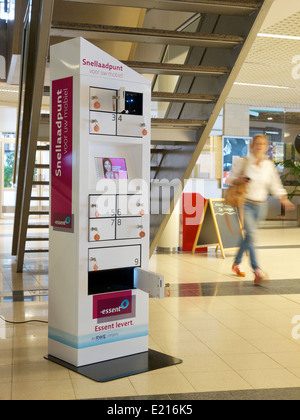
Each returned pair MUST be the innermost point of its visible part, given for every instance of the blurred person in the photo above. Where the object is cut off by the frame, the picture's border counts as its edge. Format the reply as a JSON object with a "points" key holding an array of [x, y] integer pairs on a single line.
{"points": [[262, 178]]}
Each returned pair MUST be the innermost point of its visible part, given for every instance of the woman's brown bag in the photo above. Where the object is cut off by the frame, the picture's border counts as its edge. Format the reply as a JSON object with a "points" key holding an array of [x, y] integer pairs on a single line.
{"points": [[235, 194]]}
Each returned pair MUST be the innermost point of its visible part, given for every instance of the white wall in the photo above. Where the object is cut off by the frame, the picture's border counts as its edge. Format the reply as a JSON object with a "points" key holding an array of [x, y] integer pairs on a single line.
{"points": [[8, 119]]}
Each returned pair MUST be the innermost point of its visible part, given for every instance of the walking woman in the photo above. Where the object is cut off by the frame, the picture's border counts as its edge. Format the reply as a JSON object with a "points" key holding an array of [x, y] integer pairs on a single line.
{"points": [[262, 179]]}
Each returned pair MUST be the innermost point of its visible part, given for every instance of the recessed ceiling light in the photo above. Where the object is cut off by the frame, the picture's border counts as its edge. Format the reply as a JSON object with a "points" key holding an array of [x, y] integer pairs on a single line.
{"points": [[295, 38], [265, 86], [9, 90]]}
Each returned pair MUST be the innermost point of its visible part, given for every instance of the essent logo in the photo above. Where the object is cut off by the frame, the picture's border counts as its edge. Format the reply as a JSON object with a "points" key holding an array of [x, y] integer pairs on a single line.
{"points": [[123, 306], [65, 222], [119, 305]]}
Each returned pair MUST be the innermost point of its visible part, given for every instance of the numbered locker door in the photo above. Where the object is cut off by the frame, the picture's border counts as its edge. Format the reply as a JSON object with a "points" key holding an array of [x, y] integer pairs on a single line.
{"points": [[129, 228], [103, 123], [102, 206], [130, 205], [114, 257], [102, 229], [131, 126], [103, 100]]}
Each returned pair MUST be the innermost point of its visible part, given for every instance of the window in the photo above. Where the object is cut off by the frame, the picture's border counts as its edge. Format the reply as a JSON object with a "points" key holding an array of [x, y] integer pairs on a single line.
{"points": [[9, 155], [7, 9]]}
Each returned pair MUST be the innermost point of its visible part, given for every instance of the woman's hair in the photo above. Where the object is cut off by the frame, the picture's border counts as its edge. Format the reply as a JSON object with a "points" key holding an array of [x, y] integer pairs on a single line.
{"points": [[258, 136]]}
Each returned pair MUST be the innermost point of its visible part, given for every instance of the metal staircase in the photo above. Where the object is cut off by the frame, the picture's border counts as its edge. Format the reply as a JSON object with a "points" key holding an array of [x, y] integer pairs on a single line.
{"points": [[215, 52], [33, 63]]}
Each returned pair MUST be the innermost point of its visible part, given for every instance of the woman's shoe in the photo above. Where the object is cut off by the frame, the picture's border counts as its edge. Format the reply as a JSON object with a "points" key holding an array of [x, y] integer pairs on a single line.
{"points": [[237, 268], [259, 276]]}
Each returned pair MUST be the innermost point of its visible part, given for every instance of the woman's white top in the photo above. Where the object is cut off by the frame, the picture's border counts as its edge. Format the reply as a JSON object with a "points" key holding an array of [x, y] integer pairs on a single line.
{"points": [[264, 178]]}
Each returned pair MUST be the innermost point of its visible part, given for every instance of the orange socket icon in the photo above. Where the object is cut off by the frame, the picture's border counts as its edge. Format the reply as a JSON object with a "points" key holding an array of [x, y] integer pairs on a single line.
{"points": [[142, 234], [142, 212], [145, 132], [97, 214], [96, 268], [96, 128], [97, 105]]}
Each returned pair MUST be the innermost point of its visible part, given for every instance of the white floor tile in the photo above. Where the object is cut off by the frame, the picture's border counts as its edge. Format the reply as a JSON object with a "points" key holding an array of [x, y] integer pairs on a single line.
{"points": [[226, 342]]}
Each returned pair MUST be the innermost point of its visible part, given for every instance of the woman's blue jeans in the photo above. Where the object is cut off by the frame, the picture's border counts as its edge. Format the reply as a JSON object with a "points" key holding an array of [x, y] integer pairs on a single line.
{"points": [[253, 214]]}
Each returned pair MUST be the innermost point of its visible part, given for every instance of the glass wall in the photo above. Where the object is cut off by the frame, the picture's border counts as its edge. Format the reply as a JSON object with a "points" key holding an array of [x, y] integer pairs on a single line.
{"points": [[282, 127]]}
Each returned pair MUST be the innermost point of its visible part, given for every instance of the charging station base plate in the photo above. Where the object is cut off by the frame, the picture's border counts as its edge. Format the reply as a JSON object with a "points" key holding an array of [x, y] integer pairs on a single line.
{"points": [[122, 367]]}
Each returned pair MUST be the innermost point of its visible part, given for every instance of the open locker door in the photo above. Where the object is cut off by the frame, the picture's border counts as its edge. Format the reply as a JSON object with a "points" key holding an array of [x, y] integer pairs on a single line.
{"points": [[149, 282]]}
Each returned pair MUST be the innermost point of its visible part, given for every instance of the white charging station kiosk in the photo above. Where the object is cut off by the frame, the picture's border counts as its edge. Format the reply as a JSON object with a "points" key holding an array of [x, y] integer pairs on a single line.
{"points": [[99, 283]]}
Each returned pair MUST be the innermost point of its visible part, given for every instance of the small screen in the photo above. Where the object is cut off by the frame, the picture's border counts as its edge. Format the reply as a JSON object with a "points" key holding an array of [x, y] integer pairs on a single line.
{"points": [[111, 168], [133, 103]]}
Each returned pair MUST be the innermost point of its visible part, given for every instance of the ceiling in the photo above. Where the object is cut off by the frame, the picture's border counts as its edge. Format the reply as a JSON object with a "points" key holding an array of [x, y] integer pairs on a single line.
{"points": [[269, 62]]}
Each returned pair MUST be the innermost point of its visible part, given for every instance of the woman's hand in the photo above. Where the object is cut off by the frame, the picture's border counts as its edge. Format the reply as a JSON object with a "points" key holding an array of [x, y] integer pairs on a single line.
{"points": [[242, 180], [287, 204]]}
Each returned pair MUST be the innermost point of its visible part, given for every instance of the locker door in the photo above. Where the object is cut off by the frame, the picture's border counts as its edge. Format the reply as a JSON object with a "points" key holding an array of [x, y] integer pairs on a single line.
{"points": [[103, 100], [102, 229], [114, 257], [130, 205], [103, 123], [131, 125], [102, 206], [129, 227], [149, 282]]}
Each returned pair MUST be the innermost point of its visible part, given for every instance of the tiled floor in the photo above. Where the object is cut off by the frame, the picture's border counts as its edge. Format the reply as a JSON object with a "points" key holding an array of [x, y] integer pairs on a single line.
{"points": [[235, 339]]}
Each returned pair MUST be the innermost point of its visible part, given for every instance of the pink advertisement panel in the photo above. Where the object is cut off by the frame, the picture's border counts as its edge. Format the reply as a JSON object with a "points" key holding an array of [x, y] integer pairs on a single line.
{"points": [[111, 168], [118, 305], [61, 155]]}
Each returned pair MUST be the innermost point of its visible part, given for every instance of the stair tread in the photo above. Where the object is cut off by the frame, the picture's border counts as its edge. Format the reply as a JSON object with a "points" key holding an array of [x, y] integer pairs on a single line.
{"points": [[238, 7], [33, 250], [41, 166], [40, 183], [145, 35], [167, 122], [166, 68], [144, 31], [183, 97], [38, 226], [44, 147], [36, 239]]}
